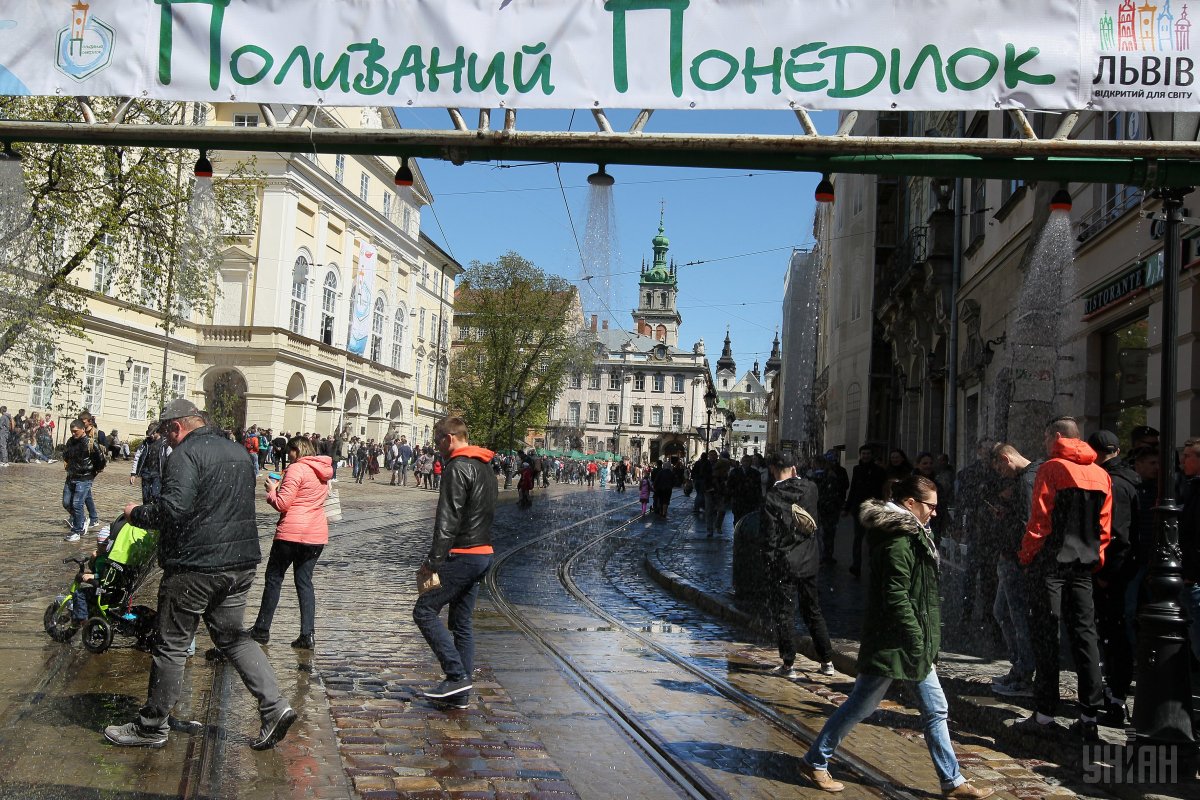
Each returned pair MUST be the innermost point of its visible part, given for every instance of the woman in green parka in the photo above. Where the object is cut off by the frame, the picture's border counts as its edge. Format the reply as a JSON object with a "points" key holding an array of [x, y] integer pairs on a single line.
{"points": [[901, 635]]}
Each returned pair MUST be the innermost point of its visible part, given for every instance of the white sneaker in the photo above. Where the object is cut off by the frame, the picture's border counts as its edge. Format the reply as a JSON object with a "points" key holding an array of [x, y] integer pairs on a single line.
{"points": [[52, 461], [74, 537], [785, 671], [827, 668], [94, 523]]}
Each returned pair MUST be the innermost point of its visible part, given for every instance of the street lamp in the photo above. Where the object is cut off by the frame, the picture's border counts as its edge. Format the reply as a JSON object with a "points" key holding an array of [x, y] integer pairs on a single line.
{"points": [[1162, 713], [514, 400], [710, 402], [730, 418]]}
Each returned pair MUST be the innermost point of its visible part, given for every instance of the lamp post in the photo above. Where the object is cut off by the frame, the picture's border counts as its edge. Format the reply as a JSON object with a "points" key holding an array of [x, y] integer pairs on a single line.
{"points": [[1162, 712], [513, 400], [730, 418], [710, 402]]}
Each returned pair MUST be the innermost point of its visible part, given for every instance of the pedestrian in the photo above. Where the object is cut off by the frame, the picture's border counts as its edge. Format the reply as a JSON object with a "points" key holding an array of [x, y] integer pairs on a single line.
{"points": [[83, 460], [717, 492], [373, 452], [1189, 537], [300, 535], [976, 486], [701, 471], [524, 484], [147, 464], [591, 474], [406, 456], [6, 431], [644, 489], [436, 470], [792, 551], [1064, 543], [621, 474], [1012, 506], [901, 635], [866, 483], [279, 451], [459, 555], [831, 497], [663, 480], [208, 550], [250, 440]]}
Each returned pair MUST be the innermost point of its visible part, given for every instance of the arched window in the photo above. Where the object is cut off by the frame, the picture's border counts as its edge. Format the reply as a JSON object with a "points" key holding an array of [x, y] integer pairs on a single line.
{"points": [[649, 299], [299, 295], [663, 298], [398, 323], [377, 330], [660, 333], [328, 306]]}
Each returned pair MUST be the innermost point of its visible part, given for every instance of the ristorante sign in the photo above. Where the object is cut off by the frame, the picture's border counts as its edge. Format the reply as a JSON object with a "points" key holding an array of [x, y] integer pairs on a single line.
{"points": [[843, 54]]}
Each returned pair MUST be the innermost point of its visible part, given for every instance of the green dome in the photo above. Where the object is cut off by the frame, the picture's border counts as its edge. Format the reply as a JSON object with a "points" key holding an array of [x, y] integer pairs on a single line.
{"points": [[661, 240]]}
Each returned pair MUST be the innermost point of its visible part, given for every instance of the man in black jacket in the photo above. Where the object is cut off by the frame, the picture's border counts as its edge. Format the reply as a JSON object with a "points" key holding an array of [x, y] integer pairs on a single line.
{"points": [[1189, 535], [459, 556], [866, 483], [83, 460], [208, 549]]}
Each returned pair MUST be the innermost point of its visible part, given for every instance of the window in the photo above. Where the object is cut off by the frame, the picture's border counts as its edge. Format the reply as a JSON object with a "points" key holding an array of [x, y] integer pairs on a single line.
{"points": [[139, 392], [433, 327], [724, 383], [328, 306], [387, 204], [377, 330], [178, 385], [639, 382], [659, 382], [677, 384], [93, 384], [1125, 351], [421, 324], [200, 114], [543, 365], [480, 361], [429, 377], [656, 416], [593, 416], [445, 331], [591, 444], [649, 299], [573, 414], [398, 337], [299, 295], [638, 413], [339, 169], [364, 187], [245, 120], [102, 272], [594, 380], [614, 381], [417, 376], [576, 380], [41, 378], [613, 410], [406, 220], [677, 416]]}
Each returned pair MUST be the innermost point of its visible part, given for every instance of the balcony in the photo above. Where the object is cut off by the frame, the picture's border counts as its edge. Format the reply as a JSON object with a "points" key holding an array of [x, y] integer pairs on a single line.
{"points": [[246, 338], [1100, 217]]}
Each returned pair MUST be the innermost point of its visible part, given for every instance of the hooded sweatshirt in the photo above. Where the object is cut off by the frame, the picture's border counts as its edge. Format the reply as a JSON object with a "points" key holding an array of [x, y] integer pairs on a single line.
{"points": [[300, 501], [1070, 523]]}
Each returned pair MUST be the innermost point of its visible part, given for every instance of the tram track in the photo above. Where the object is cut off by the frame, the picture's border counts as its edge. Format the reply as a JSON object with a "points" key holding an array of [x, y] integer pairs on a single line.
{"points": [[678, 771]]}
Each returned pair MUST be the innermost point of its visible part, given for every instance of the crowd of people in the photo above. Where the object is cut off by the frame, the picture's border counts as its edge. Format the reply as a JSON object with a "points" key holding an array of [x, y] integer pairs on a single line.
{"points": [[26, 439]]}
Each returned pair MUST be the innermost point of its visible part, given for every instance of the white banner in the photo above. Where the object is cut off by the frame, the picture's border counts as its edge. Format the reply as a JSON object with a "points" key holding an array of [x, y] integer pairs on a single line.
{"points": [[770, 54], [364, 290]]}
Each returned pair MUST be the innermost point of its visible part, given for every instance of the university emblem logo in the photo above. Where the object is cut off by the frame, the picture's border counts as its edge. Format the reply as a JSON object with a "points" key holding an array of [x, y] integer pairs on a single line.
{"points": [[84, 47]]}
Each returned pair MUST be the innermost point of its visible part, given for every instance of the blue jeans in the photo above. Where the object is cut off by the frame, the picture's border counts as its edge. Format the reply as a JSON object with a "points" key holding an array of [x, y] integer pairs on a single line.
{"points": [[454, 646], [1011, 611], [1191, 601], [77, 495], [32, 454], [864, 699]]}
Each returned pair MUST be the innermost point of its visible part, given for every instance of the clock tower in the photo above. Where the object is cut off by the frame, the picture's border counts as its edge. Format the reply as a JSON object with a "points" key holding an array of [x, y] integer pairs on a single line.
{"points": [[656, 315]]}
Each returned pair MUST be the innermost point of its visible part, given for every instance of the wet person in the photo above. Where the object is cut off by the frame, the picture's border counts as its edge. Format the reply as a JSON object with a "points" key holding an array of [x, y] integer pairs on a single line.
{"points": [[901, 635], [745, 489], [831, 497], [1012, 506], [459, 555], [792, 547], [300, 535], [208, 550], [1065, 539], [976, 487], [147, 464], [866, 483]]}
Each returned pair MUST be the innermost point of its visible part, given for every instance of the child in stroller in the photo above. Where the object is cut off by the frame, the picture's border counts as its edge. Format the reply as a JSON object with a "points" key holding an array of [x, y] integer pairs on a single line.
{"points": [[100, 600]]}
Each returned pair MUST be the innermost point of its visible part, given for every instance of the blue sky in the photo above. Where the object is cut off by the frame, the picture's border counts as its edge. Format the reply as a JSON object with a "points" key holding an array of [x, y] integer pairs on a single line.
{"points": [[726, 218]]}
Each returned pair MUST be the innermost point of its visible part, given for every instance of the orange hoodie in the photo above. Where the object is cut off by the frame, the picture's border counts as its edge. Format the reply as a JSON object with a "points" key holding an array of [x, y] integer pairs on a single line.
{"points": [[1072, 509]]}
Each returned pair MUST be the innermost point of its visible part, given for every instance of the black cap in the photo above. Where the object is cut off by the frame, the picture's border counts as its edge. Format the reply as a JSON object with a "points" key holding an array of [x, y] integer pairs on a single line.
{"points": [[177, 409], [1104, 442]]}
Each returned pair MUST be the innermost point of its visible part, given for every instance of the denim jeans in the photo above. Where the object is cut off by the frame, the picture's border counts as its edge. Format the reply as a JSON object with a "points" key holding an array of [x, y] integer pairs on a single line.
{"points": [[76, 496], [864, 699], [219, 598], [302, 558], [151, 489], [1011, 611], [454, 646], [32, 454], [1191, 602]]}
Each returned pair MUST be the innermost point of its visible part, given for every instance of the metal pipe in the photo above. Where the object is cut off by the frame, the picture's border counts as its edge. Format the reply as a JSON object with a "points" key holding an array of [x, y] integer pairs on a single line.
{"points": [[85, 108], [456, 117], [267, 114], [602, 120], [510, 120], [643, 117], [122, 110], [847, 124], [810, 129], [1022, 121], [485, 120], [1066, 126]]}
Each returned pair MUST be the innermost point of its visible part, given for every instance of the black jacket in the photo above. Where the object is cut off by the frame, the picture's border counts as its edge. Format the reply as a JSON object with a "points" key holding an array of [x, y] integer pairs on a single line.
{"points": [[147, 461], [205, 514], [1119, 556], [866, 483], [84, 459], [466, 505], [787, 548], [1189, 530]]}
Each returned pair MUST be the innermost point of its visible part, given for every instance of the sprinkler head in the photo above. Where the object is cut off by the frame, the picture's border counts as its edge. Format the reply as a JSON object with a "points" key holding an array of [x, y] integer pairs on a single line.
{"points": [[600, 178], [404, 175], [204, 167], [824, 192], [1061, 200]]}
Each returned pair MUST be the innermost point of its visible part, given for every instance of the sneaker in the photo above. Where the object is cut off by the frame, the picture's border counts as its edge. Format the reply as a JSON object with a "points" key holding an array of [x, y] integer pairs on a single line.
{"points": [[827, 669], [1015, 688], [449, 688], [819, 777], [52, 461], [94, 523], [1006, 678], [1086, 729], [132, 735], [71, 537], [1031, 725], [965, 791], [785, 671], [260, 636], [272, 732], [304, 641], [459, 701]]}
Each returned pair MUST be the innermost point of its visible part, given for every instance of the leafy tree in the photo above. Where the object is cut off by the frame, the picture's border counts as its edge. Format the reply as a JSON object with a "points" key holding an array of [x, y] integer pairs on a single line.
{"points": [[528, 337], [125, 212]]}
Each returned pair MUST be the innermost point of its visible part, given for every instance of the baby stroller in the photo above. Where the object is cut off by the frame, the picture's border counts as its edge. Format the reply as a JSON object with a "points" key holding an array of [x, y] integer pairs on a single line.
{"points": [[103, 591]]}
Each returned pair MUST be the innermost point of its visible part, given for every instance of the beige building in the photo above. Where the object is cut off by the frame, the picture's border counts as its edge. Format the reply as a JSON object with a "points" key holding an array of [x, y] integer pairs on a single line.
{"points": [[275, 352]]}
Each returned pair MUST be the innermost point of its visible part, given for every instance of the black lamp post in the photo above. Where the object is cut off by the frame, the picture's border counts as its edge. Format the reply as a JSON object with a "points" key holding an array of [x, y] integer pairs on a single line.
{"points": [[636, 443], [730, 418], [1162, 709], [514, 400], [710, 402]]}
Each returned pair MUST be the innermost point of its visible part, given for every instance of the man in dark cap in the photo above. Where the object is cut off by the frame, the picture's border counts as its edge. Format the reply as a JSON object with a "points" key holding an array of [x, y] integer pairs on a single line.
{"points": [[208, 549]]}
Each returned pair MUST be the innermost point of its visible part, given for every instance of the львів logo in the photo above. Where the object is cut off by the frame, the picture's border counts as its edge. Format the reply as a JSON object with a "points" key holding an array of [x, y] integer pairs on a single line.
{"points": [[85, 46]]}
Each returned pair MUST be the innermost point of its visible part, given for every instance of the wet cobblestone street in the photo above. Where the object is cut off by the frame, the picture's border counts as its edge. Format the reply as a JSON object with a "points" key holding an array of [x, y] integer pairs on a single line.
{"points": [[592, 680]]}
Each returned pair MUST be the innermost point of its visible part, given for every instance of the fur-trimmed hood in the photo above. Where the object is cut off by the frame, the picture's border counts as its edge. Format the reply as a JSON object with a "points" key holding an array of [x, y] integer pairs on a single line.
{"points": [[890, 518]]}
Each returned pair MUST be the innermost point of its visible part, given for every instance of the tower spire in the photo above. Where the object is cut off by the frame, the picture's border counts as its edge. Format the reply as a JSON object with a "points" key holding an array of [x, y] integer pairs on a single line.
{"points": [[726, 360], [774, 363]]}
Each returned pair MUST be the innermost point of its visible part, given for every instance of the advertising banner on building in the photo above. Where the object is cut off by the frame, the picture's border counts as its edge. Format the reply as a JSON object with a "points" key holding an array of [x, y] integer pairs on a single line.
{"points": [[364, 290], [680, 54]]}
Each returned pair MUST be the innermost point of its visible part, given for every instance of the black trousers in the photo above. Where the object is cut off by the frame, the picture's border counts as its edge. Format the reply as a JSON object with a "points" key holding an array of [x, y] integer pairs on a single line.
{"points": [[1064, 594], [1115, 644], [860, 533], [786, 590], [301, 558]]}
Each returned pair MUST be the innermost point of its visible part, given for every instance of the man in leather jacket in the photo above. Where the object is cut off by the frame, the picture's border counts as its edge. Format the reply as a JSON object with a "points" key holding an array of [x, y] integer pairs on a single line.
{"points": [[459, 557]]}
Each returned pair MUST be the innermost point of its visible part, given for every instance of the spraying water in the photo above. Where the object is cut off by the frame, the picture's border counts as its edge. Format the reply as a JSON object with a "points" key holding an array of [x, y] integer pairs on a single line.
{"points": [[14, 205], [600, 242]]}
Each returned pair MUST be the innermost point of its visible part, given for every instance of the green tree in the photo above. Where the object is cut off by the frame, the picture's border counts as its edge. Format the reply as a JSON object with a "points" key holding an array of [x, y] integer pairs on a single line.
{"points": [[527, 337], [123, 211]]}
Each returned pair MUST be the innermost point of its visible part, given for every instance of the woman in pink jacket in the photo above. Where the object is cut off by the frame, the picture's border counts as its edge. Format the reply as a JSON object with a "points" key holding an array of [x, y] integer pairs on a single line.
{"points": [[300, 536]]}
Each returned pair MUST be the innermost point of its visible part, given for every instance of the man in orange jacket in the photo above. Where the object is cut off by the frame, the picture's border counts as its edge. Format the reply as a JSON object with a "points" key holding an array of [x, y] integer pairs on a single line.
{"points": [[1069, 527]]}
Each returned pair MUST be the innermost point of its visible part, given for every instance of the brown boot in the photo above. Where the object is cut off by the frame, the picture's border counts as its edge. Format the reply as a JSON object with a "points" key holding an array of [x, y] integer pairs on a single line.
{"points": [[965, 791], [820, 778]]}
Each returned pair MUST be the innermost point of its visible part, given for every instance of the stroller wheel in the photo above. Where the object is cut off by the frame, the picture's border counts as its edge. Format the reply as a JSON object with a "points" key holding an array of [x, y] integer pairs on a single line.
{"points": [[97, 635], [58, 622]]}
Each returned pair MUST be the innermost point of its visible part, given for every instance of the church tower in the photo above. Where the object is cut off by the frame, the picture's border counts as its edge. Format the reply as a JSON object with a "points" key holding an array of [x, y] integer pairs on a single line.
{"points": [[726, 367], [656, 315]]}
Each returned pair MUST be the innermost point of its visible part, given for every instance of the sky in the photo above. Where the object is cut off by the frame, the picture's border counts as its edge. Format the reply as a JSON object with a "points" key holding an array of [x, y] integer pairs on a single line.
{"points": [[739, 225]]}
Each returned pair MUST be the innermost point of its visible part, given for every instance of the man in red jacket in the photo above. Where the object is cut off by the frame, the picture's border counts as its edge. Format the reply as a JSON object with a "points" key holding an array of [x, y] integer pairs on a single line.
{"points": [[1069, 527]]}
